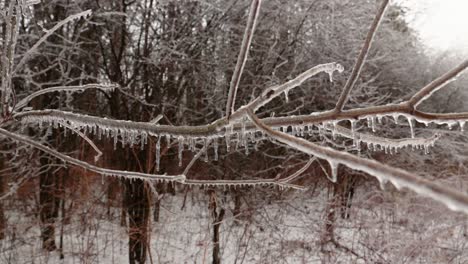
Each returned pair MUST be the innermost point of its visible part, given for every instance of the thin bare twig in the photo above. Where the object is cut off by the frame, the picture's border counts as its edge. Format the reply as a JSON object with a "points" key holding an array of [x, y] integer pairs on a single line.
{"points": [[242, 58], [47, 34], [361, 58], [78, 88], [293, 176], [437, 84]]}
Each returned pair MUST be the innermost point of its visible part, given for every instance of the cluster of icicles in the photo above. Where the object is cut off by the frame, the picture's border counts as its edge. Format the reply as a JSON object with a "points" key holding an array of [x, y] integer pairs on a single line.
{"points": [[242, 137]]}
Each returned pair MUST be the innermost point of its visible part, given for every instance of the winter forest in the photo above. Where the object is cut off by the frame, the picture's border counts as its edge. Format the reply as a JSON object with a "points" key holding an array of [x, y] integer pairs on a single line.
{"points": [[228, 131]]}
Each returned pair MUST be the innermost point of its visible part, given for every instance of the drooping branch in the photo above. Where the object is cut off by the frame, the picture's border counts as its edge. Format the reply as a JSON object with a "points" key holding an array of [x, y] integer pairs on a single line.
{"points": [[47, 34], [361, 58], [216, 128], [87, 166], [453, 199], [181, 178], [78, 88], [243, 54], [387, 144], [243, 183]]}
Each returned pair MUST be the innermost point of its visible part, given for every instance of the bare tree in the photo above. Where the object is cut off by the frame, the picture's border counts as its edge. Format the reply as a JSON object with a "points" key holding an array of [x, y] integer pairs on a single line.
{"points": [[131, 120]]}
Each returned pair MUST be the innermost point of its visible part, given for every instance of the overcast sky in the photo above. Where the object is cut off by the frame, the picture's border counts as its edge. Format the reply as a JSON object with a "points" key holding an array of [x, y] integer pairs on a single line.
{"points": [[442, 24]]}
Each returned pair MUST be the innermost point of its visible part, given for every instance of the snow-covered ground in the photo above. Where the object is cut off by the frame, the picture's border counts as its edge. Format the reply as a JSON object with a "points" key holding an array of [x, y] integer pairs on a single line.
{"points": [[383, 228]]}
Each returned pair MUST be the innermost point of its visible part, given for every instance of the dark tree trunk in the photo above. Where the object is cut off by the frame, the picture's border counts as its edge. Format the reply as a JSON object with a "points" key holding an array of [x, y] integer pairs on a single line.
{"points": [[138, 209], [48, 207], [157, 207], [217, 219], [3, 223]]}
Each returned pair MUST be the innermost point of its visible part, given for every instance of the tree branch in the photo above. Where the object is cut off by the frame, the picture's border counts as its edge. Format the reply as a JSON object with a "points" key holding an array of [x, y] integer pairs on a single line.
{"points": [[453, 199], [87, 166], [437, 84], [361, 58], [242, 58], [79, 88]]}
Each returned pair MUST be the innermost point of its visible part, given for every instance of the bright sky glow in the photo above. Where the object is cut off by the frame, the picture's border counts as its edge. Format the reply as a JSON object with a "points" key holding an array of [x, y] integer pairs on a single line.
{"points": [[442, 24]]}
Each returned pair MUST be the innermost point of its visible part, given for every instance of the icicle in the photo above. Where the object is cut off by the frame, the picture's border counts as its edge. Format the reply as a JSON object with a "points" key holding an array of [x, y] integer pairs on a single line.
{"points": [[379, 119], [215, 146], [330, 74], [334, 130], [227, 137], [143, 139], [242, 135], [449, 125], [158, 152], [206, 150], [426, 149], [116, 137], [286, 96], [395, 118], [168, 140], [382, 183], [181, 149], [462, 125], [372, 119], [334, 171], [191, 144], [353, 130], [411, 125]]}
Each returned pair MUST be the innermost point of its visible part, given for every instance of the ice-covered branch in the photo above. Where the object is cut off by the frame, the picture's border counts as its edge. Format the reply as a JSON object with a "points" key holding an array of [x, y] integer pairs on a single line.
{"points": [[242, 57], [69, 89], [8, 56], [298, 173], [215, 129], [87, 166], [361, 58], [437, 84], [388, 144], [243, 183], [453, 199], [47, 34], [272, 92]]}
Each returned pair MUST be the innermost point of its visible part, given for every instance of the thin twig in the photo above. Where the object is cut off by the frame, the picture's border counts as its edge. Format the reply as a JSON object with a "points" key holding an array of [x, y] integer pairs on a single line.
{"points": [[242, 58], [196, 157], [47, 34], [78, 88], [361, 58], [437, 84], [293, 176], [87, 166]]}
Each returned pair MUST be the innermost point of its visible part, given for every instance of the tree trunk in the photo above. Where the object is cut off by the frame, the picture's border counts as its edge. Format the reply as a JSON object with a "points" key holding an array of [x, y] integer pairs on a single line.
{"points": [[138, 209], [48, 207], [217, 219], [3, 223]]}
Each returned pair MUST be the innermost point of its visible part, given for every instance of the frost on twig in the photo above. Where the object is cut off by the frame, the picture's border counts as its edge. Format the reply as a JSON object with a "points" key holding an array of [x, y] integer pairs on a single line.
{"points": [[361, 57], [437, 84], [47, 34], [68, 89], [242, 58], [389, 145]]}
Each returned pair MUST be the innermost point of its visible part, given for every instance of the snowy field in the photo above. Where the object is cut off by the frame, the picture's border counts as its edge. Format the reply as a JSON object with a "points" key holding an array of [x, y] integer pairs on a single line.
{"points": [[383, 227]]}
